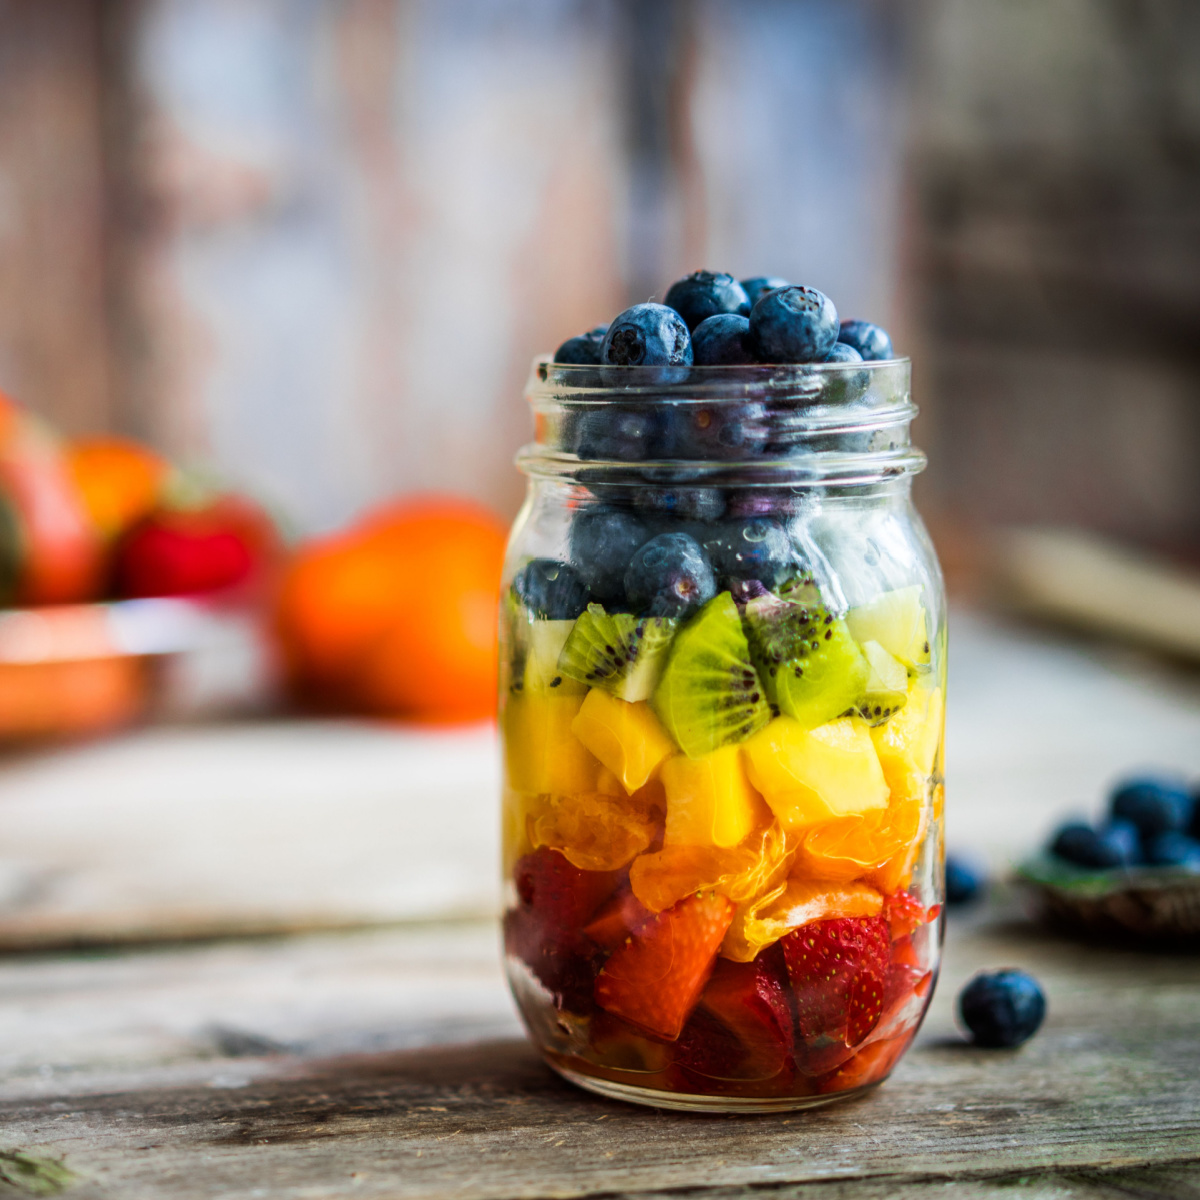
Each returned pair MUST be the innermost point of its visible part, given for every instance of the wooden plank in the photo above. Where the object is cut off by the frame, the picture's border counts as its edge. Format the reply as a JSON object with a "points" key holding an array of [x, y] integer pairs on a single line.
{"points": [[1112, 1083]]}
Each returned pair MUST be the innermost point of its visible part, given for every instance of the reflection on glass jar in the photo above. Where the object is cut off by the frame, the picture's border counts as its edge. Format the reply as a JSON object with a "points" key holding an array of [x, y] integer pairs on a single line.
{"points": [[722, 682]]}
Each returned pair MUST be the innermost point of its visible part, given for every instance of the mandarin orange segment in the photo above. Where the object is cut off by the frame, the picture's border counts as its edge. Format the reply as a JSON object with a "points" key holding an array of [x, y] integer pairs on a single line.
{"points": [[851, 847], [740, 872], [593, 831], [791, 904]]}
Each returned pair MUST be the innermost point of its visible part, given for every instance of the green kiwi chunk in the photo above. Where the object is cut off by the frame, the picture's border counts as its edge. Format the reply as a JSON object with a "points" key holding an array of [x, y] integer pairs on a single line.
{"points": [[811, 668], [710, 694], [546, 640], [886, 690], [617, 652]]}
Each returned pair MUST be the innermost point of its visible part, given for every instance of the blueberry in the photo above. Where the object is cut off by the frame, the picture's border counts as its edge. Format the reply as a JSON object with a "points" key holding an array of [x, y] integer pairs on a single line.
{"points": [[648, 335], [843, 353], [720, 429], [669, 577], [610, 431], [1124, 835], [754, 548], [1153, 805], [1172, 849], [1002, 1009], [551, 589], [965, 880], [722, 341], [704, 294], [583, 350], [603, 540], [754, 288], [869, 340], [682, 502], [762, 502], [1087, 847], [793, 325]]}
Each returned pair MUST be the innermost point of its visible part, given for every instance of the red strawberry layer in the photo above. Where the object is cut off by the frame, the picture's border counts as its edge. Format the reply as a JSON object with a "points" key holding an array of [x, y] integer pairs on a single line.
{"points": [[655, 978]]}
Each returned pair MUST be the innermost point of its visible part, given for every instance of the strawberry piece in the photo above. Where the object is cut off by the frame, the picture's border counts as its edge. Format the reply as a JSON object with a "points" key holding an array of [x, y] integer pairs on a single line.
{"points": [[656, 977], [904, 913], [544, 930], [617, 918], [838, 969], [743, 1026]]}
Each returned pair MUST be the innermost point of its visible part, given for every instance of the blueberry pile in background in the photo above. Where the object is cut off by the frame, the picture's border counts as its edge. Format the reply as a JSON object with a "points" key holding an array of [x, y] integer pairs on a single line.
{"points": [[710, 319], [1152, 821]]}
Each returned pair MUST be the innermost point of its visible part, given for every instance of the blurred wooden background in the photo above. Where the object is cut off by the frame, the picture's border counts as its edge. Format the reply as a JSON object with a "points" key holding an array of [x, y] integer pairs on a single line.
{"points": [[316, 243]]}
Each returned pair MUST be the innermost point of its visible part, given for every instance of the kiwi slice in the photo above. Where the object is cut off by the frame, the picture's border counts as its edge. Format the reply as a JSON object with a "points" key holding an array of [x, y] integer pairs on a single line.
{"points": [[887, 684], [618, 652], [545, 641], [710, 694], [896, 620], [811, 667]]}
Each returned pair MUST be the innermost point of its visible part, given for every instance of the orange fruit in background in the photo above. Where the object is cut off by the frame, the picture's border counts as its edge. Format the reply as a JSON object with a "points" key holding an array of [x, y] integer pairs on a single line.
{"points": [[398, 615], [120, 481]]}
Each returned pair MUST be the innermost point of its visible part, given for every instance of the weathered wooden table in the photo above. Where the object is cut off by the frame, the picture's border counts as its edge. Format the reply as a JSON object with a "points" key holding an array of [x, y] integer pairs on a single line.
{"points": [[388, 1061]]}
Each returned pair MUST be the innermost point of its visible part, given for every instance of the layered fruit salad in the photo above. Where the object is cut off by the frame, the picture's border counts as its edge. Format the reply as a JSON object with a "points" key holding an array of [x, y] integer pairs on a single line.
{"points": [[722, 782]]}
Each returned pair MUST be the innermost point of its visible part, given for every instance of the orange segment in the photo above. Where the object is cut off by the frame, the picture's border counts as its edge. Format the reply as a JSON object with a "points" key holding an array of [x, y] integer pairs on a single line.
{"points": [[593, 831], [848, 848]]}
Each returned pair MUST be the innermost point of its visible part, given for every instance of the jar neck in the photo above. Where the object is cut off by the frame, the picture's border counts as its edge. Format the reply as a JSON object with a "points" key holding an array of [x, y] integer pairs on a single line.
{"points": [[843, 425]]}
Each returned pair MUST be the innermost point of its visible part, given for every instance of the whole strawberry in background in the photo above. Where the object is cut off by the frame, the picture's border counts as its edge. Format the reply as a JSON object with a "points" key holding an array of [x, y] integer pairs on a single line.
{"points": [[194, 545]]}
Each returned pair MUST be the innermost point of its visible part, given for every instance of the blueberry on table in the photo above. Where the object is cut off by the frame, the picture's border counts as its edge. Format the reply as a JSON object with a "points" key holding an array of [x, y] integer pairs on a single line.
{"points": [[670, 576], [704, 294], [965, 880], [755, 548], [722, 341], [1172, 849], [551, 589], [872, 342], [603, 540], [1087, 847], [843, 353], [793, 325], [1002, 1009], [609, 431], [759, 284], [648, 335], [1153, 805], [1126, 837], [722, 429], [583, 350]]}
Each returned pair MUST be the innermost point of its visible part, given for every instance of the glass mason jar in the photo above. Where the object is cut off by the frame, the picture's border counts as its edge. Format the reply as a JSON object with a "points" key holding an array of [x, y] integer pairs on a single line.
{"points": [[721, 704]]}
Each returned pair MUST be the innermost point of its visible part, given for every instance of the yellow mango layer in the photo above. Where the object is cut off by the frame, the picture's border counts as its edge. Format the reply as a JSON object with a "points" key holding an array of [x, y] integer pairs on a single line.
{"points": [[709, 800], [812, 775], [541, 754], [907, 745], [627, 738]]}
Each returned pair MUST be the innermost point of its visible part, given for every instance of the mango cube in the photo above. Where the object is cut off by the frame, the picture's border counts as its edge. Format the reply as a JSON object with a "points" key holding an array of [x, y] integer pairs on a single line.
{"points": [[541, 754], [627, 738], [908, 744], [812, 775], [709, 800]]}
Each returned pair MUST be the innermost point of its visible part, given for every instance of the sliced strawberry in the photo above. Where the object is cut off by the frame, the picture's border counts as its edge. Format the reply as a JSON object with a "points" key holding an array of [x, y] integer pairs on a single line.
{"points": [[544, 930], [904, 913], [617, 918], [656, 977], [838, 969], [742, 1028]]}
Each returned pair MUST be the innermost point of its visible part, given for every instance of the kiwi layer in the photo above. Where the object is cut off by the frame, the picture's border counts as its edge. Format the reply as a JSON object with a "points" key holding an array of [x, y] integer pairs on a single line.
{"points": [[620, 653], [886, 690], [710, 694], [811, 667]]}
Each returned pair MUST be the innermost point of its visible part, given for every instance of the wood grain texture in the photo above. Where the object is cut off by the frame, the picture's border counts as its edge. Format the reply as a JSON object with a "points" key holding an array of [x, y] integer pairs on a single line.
{"points": [[1111, 1084]]}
